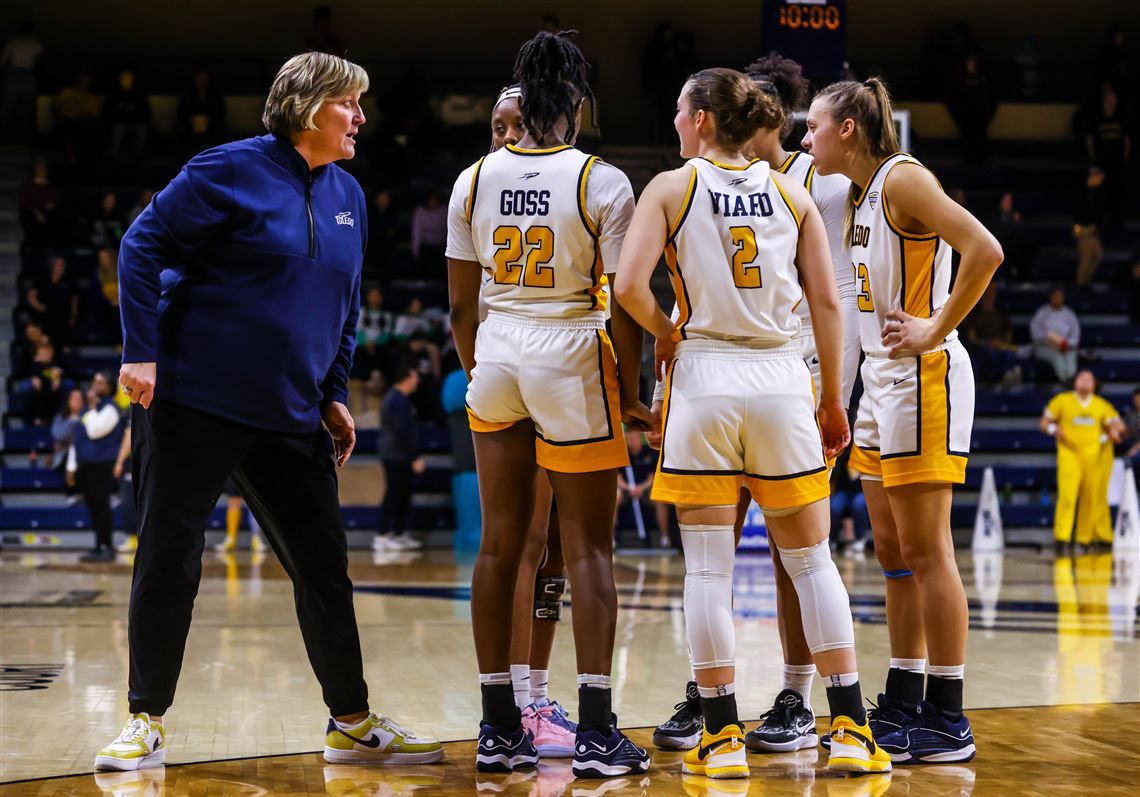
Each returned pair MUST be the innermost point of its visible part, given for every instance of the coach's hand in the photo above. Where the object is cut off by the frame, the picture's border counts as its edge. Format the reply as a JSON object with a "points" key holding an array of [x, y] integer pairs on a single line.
{"points": [[653, 436], [138, 380], [833, 426], [339, 422]]}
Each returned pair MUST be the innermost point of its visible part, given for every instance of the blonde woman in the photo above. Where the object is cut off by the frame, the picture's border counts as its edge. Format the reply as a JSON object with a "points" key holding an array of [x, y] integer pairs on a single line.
{"points": [[239, 365]]}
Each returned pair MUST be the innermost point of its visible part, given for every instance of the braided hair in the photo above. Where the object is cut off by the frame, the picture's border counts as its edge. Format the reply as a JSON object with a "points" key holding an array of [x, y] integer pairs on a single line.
{"points": [[553, 75]]}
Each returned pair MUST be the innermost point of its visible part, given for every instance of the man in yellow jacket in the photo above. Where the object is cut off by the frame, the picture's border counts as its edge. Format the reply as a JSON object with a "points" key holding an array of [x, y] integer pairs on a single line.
{"points": [[1085, 427]]}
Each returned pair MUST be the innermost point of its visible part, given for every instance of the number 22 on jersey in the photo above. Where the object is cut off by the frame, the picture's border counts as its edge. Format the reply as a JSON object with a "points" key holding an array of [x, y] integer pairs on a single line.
{"points": [[510, 268]]}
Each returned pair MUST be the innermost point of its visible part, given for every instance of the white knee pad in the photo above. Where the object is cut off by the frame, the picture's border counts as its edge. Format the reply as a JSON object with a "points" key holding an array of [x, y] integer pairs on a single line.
{"points": [[825, 609], [710, 552]]}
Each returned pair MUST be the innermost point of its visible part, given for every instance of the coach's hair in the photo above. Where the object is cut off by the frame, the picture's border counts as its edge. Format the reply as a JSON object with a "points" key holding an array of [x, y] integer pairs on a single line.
{"points": [[554, 77], [736, 103], [868, 104], [303, 84], [776, 73]]}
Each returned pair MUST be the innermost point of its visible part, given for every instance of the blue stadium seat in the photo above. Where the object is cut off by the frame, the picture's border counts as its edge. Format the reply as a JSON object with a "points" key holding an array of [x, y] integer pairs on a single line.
{"points": [[24, 480], [1010, 440]]}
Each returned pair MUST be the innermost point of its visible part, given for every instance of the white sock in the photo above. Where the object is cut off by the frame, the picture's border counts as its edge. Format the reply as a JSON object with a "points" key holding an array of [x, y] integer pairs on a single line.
{"points": [[348, 726], [843, 679], [520, 681], [538, 684], [909, 665], [717, 691], [798, 678], [951, 672], [595, 681]]}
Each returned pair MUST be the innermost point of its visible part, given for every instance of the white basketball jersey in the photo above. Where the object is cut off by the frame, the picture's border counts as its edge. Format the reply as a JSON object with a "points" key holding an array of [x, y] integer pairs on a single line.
{"points": [[731, 253], [831, 194], [893, 269], [532, 234]]}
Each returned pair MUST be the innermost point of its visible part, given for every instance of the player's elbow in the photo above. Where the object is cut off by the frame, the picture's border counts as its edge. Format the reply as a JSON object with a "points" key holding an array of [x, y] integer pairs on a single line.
{"points": [[626, 292], [990, 254]]}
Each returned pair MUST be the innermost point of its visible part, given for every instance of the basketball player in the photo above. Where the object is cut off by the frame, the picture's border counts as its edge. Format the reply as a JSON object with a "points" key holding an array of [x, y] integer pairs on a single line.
{"points": [[546, 222], [542, 574], [790, 724], [739, 405], [912, 434]]}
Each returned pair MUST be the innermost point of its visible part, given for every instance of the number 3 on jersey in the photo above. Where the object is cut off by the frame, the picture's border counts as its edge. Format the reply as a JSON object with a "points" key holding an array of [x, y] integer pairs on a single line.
{"points": [[863, 286], [744, 274], [509, 268]]}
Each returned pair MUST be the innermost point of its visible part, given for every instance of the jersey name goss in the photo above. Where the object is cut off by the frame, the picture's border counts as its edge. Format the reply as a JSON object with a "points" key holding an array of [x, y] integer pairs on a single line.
{"points": [[524, 203]]}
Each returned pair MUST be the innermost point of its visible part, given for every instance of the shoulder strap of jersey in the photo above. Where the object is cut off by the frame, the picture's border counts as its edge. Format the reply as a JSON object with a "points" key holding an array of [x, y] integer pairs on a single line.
{"points": [[686, 204], [474, 188], [583, 177]]}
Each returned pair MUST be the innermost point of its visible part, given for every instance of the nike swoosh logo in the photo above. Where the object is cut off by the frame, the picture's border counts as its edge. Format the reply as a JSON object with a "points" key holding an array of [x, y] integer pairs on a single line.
{"points": [[900, 381], [600, 748], [712, 748], [815, 361], [372, 741]]}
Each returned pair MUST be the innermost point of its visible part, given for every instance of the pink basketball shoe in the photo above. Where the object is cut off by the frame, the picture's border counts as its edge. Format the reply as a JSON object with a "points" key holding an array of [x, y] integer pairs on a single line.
{"points": [[551, 739]]}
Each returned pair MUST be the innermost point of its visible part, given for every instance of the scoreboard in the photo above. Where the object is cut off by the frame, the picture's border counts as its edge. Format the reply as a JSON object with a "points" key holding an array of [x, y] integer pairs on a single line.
{"points": [[812, 32]]}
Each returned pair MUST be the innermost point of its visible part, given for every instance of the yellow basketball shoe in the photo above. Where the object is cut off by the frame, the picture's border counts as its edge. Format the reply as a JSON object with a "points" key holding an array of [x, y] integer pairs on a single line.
{"points": [[378, 740], [719, 755], [141, 744], [853, 748]]}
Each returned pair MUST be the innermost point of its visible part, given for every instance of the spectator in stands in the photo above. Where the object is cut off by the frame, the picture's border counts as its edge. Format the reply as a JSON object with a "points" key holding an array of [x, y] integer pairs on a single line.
{"points": [[1086, 229], [106, 302], [126, 110], [383, 234], [374, 334], [850, 519], [141, 204], [1082, 424], [1111, 64], [108, 225], [201, 115], [42, 386], [24, 349], [972, 106], [1056, 332], [464, 482], [322, 38], [1019, 247], [989, 335], [18, 90], [41, 208], [429, 236], [635, 484], [1110, 147], [400, 456], [63, 427], [1028, 61], [55, 301], [75, 111], [96, 442]]}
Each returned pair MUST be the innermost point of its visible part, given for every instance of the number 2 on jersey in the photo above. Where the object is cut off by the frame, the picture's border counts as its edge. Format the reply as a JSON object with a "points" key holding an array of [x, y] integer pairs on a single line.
{"points": [[863, 286], [509, 268], [744, 274]]}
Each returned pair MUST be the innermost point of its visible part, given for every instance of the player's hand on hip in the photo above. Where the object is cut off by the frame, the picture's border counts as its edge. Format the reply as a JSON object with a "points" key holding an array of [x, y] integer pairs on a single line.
{"points": [[137, 380], [833, 426], [907, 336], [338, 420]]}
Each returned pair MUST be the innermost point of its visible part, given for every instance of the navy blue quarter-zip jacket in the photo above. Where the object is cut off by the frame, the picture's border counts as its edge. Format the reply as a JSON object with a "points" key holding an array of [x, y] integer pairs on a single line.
{"points": [[254, 315]]}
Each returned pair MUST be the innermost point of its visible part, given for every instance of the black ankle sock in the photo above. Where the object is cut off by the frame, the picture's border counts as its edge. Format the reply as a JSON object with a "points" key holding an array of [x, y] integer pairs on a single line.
{"points": [[847, 701], [719, 711], [499, 705], [595, 711], [904, 686], [945, 694]]}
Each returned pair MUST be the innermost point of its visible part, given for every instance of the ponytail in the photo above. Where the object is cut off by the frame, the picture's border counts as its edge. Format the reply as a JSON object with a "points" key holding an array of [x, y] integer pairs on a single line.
{"points": [[868, 104], [552, 74]]}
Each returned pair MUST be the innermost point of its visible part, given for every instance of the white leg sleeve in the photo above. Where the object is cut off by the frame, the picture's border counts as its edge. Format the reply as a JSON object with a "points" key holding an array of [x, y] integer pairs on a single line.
{"points": [[825, 609], [709, 555]]}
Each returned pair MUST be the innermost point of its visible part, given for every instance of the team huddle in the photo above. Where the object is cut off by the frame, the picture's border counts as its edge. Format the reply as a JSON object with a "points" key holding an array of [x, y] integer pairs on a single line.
{"points": [[786, 266]]}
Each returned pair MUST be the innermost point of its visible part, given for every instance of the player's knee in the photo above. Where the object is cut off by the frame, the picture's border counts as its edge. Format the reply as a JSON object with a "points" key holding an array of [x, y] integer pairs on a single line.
{"points": [[548, 592], [824, 605]]}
